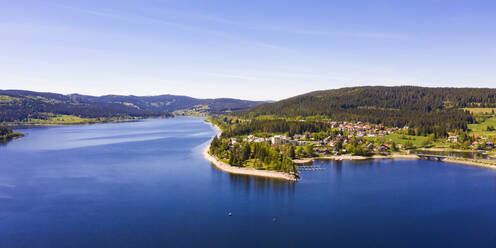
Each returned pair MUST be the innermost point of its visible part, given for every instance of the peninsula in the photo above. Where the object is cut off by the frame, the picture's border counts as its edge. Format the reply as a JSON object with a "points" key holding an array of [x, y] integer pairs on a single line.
{"points": [[225, 166], [6, 134]]}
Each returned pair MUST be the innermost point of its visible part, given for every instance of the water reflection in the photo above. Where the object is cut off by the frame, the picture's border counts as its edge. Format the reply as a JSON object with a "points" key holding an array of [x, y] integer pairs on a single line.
{"points": [[256, 184], [261, 184]]}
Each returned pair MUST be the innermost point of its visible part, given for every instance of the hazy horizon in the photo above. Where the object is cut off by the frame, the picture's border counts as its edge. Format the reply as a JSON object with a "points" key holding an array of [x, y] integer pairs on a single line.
{"points": [[266, 100], [254, 50]]}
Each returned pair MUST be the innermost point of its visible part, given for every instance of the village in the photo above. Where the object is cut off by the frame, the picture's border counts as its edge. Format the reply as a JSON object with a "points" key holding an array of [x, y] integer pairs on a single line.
{"points": [[333, 142], [365, 134]]}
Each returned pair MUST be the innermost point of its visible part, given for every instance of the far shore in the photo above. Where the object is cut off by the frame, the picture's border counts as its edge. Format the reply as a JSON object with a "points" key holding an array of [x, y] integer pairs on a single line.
{"points": [[24, 125]]}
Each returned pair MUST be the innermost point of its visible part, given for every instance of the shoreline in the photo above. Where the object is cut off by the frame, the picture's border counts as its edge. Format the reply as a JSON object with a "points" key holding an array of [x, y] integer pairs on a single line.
{"points": [[281, 175], [5, 139], [469, 163], [353, 157], [243, 171], [246, 171], [20, 125], [394, 156]]}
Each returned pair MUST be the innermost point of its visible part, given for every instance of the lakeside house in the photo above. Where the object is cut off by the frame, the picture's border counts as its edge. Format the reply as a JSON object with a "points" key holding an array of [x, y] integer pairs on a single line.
{"points": [[453, 138]]}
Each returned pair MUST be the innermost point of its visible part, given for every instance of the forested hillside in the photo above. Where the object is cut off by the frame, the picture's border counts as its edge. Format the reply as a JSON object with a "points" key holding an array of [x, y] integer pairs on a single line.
{"points": [[426, 109], [171, 103], [21, 106]]}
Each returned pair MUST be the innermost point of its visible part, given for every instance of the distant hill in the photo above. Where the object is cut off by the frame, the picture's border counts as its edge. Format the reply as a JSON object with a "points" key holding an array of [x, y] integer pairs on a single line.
{"points": [[20, 105], [420, 107]]}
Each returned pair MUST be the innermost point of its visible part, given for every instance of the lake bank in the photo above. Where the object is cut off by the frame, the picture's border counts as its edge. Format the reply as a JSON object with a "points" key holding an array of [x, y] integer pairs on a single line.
{"points": [[478, 163], [353, 157], [26, 125], [9, 137]]}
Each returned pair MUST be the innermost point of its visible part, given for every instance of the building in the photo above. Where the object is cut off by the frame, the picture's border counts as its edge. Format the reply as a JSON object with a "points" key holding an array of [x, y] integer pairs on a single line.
{"points": [[453, 138]]}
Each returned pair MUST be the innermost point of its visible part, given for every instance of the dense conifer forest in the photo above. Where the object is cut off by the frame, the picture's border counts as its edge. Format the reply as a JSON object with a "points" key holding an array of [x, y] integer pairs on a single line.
{"points": [[20, 106], [426, 110]]}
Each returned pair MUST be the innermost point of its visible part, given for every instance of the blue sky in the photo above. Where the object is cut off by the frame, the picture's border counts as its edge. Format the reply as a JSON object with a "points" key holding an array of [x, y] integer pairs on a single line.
{"points": [[244, 49]]}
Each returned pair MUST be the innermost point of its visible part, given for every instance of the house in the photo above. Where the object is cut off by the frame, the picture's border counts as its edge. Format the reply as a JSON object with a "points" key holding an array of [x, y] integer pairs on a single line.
{"points": [[303, 143], [321, 143], [382, 148], [277, 140], [490, 144], [323, 150], [453, 138], [250, 138], [298, 136]]}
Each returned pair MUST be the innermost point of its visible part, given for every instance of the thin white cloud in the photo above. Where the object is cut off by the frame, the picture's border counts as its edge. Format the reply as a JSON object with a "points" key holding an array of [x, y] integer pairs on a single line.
{"points": [[289, 30], [137, 19]]}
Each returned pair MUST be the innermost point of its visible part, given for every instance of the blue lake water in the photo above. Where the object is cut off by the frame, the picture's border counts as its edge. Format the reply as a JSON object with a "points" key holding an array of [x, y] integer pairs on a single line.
{"points": [[146, 184]]}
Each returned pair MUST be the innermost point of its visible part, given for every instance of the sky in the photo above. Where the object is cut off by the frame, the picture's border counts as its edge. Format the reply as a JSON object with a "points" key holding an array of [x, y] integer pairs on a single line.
{"points": [[257, 49]]}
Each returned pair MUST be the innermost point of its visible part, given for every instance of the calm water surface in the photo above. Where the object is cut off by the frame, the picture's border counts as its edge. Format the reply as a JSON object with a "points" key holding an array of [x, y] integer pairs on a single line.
{"points": [[146, 184]]}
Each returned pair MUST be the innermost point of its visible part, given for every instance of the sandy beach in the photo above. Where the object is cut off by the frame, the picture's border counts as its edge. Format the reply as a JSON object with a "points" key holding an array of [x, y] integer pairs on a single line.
{"points": [[471, 163], [247, 171]]}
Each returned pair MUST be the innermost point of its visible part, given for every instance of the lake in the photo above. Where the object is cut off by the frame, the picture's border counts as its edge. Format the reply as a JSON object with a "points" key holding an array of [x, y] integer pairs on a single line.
{"points": [[146, 184]]}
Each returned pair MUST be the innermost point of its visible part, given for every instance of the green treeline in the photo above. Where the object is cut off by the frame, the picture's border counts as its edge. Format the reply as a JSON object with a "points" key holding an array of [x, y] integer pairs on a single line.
{"points": [[21, 106], [245, 127], [5, 131], [256, 155]]}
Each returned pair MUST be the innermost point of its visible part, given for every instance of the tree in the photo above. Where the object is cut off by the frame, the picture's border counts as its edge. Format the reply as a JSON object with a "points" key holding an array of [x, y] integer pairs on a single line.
{"points": [[394, 147], [5, 131], [231, 159], [291, 152], [299, 151], [309, 150], [409, 145], [246, 152]]}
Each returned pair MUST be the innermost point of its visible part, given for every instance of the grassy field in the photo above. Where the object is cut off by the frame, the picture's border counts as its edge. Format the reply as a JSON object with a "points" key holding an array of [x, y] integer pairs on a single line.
{"points": [[52, 119], [7, 99], [417, 141], [480, 111], [481, 128], [61, 119]]}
